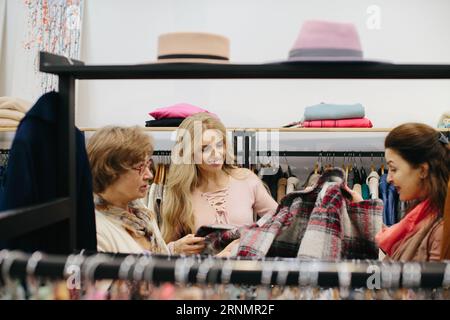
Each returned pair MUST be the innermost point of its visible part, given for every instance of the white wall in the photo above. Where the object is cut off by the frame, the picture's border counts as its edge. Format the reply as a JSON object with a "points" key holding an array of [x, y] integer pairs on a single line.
{"points": [[125, 32], [117, 31], [260, 31], [17, 74], [2, 23]]}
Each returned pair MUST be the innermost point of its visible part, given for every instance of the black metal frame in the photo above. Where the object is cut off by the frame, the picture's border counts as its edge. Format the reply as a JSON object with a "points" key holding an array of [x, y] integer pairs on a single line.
{"points": [[69, 70]]}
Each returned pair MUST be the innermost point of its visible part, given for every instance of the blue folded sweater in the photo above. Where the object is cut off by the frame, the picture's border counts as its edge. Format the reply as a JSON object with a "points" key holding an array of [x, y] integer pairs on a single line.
{"points": [[324, 111]]}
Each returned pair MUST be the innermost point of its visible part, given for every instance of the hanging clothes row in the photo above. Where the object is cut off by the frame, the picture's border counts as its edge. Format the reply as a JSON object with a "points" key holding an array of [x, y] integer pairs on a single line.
{"points": [[105, 277], [155, 195]]}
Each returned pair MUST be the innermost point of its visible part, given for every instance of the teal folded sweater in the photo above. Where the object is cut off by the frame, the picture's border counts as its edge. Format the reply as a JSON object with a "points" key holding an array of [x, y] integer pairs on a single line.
{"points": [[324, 111]]}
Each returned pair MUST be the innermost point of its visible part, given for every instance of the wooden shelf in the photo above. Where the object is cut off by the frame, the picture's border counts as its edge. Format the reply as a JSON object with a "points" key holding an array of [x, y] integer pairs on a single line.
{"points": [[168, 129], [158, 129]]}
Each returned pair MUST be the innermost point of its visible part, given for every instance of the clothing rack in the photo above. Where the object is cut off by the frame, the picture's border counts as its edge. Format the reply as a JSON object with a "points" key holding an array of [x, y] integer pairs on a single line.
{"points": [[327, 154], [210, 270], [17, 222]]}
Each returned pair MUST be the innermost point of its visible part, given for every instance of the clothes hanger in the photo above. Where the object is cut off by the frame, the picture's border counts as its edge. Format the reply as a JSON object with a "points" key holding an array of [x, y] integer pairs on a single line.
{"points": [[362, 170]]}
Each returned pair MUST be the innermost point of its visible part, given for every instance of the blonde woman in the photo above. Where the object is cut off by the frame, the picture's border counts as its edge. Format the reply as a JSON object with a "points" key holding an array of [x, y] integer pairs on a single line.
{"points": [[120, 162], [204, 187]]}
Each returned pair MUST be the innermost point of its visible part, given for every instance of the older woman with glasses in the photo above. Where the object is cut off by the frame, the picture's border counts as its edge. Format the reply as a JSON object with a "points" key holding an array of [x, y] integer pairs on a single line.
{"points": [[120, 162]]}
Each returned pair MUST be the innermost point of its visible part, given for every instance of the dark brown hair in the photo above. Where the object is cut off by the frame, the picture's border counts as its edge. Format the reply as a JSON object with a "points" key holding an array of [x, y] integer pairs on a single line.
{"points": [[419, 143]]}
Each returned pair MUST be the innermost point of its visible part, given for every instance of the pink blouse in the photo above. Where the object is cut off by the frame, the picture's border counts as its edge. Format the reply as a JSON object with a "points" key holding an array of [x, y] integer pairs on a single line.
{"points": [[236, 204]]}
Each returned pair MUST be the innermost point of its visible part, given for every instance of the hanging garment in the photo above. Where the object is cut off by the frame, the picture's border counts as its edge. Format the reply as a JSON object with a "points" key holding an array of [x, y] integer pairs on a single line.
{"points": [[390, 197], [363, 174], [373, 181], [31, 178], [292, 183], [318, 221], [312, 180], [271, 179], [324, 111], [365, 192], [156, 195], [356, 176], [151, 199], [350, 179], [281, 190]]}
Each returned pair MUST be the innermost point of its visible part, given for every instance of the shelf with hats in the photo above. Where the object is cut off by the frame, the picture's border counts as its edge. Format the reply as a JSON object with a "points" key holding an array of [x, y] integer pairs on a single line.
{"points": [[63, 66]]}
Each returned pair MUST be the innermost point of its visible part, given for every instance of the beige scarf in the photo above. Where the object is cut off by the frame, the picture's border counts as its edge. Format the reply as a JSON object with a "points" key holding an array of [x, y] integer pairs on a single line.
{"points": [[139, 222]]}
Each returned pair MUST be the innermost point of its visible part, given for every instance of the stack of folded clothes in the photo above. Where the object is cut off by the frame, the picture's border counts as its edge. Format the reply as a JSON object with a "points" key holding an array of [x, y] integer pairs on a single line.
{"points": [[12, 110], [173, 116], [327, 115]]}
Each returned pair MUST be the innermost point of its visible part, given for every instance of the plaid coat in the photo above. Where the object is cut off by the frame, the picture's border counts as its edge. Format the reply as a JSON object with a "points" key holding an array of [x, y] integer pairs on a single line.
{"points": [[319, 222]]}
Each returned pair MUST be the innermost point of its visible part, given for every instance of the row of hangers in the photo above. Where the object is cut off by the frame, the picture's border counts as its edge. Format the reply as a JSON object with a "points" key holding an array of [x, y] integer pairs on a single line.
{"points": [[349, 162], [160, 167]]}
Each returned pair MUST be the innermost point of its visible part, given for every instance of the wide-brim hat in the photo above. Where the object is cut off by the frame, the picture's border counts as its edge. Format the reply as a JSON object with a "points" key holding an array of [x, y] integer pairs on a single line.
{"points": [[193, 47], [327, 41]]}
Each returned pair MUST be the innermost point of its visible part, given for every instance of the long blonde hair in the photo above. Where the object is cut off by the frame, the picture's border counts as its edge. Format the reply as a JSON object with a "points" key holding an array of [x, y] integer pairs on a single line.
{"points": [[183, 178]]}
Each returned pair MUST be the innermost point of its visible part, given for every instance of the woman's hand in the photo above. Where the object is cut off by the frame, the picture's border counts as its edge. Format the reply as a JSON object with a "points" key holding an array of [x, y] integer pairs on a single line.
{"points": [[189, 244], [228, 249], [356, 197]]}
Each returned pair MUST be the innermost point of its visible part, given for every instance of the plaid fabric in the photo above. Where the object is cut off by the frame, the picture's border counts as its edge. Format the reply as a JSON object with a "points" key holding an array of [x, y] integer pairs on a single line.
{"points": [[315, 223], [218, 240], [339, 229], [257, 241], [319, 221]]}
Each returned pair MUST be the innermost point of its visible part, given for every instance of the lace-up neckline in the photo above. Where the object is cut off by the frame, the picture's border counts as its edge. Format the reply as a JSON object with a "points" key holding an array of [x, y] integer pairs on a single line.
{"points": [[217, 200]]}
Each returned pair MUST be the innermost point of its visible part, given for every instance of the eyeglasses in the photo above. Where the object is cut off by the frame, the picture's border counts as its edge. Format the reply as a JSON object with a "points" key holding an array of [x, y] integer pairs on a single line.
{"points": [[145, 165]]}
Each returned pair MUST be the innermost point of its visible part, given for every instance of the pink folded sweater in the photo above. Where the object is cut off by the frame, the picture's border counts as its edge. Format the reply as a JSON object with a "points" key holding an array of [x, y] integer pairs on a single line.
{"points": [[341, 123]]}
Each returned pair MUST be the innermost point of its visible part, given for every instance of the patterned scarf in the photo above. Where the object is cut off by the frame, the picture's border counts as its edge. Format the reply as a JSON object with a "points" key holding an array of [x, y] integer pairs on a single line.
{"points": [[139, 222]]}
